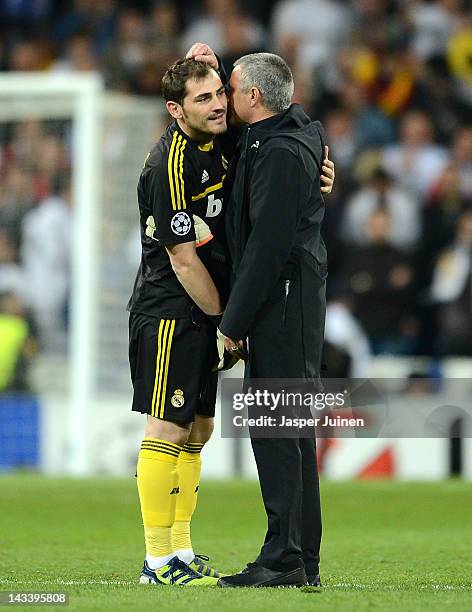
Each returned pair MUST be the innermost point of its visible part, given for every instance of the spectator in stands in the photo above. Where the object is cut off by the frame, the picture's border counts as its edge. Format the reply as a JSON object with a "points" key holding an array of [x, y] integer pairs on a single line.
{"points": [[38, 153], [442, 211], [372, 127], [382, 193], [381, 279], [24, 143], [462, 155], [381, 61], [162, 47], [378, 23], [416, 161], [126, 53], [340, 133], [16, 199], [433, 23], [459, 55], [390, 78], [440, 216], [164, 24], [26, 56], [215, 28], [79, 55], [344, 332], [17, 344], [452, 291], [95, 18], [46, 235], [241, 35], [12, 277], [51, 165], [309, 32]]}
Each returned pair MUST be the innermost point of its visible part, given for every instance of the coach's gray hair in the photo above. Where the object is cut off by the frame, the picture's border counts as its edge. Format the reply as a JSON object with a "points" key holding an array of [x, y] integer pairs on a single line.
{"points": [[272, 77]]}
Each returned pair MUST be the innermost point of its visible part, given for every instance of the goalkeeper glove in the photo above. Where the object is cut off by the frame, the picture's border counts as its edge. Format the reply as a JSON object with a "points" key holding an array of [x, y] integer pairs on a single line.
{"points": [[226, 360], [151, 227], [202, 231]]}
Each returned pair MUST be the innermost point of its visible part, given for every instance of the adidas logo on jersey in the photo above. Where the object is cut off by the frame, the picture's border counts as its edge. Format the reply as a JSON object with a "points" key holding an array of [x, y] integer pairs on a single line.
{"points": [[205, 176]]}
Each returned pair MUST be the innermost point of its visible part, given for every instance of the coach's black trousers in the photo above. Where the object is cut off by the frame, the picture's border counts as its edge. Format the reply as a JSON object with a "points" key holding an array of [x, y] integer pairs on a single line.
{"points": [[286, 343], [289, 484]]}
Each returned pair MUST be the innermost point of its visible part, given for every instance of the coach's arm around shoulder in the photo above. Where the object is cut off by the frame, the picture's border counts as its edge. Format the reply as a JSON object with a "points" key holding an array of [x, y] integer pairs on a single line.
{"points": [[194, 277]]}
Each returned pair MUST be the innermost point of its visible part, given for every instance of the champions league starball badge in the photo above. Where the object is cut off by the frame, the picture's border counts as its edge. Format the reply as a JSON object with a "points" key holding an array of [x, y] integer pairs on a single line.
{"points": [[180, 223]]}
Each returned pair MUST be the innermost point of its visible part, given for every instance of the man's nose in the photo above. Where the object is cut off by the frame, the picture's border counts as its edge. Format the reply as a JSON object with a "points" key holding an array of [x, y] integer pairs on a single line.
{"points": [[220, 103]]}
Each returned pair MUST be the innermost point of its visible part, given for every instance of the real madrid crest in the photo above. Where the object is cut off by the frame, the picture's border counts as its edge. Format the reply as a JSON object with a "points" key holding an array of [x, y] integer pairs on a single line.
{"points": [[178, 399]]}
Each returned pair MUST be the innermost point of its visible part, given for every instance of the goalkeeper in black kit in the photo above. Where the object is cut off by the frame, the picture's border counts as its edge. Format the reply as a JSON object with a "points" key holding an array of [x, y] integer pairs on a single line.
{"points": [[177, 301]]}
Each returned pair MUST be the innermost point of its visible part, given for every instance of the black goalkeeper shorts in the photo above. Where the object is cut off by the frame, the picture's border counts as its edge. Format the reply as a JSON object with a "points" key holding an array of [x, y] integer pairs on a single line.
{"points": [[171, 363]]}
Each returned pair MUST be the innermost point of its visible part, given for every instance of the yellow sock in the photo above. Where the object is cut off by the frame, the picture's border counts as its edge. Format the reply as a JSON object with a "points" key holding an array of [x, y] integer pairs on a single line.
{"points": [[189, 467], [158, 491]]}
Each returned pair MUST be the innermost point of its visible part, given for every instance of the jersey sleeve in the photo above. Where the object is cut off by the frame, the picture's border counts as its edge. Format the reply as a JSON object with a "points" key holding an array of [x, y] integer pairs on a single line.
{"points": [[169, 190]]}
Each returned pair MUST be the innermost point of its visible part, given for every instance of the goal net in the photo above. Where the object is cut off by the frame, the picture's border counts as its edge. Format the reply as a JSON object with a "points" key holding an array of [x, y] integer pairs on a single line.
{"points": [[71, 154]]}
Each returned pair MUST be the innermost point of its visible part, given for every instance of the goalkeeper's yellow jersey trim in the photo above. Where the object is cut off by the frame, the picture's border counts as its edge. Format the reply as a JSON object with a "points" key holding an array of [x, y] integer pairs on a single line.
{"points": [[175, 165], [209, 190]]}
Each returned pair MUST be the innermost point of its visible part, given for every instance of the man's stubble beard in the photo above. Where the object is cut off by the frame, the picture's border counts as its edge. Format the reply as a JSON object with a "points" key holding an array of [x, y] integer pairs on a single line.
{"points": [[202, 128]]}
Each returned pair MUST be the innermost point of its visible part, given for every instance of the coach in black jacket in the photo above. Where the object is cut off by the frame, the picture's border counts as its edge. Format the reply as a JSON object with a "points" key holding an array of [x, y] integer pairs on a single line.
{"points": [[277, 299]]}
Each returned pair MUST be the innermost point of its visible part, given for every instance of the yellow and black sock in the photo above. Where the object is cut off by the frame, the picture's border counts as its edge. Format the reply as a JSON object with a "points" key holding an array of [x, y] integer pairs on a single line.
{"points": [[158, 492], [189, 467]]}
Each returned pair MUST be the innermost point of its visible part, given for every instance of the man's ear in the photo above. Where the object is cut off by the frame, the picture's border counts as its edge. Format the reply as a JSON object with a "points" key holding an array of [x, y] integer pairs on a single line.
{"points": [[255, 97], [175, 110]]}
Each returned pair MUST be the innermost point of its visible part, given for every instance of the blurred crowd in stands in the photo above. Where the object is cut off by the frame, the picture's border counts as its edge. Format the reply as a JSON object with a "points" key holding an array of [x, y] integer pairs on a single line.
{"points": [[390, 79]]}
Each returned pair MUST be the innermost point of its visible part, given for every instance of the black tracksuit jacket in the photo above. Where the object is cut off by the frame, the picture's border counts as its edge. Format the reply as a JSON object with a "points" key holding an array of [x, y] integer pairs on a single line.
{"points": [[273, 221]]}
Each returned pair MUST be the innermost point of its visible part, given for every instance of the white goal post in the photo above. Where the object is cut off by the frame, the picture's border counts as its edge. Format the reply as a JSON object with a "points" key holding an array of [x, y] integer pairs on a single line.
{"points": [[75, 96]]}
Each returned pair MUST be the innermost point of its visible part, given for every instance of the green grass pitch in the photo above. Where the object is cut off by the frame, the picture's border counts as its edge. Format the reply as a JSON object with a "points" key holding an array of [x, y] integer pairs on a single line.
{"points": [[386, 546]]}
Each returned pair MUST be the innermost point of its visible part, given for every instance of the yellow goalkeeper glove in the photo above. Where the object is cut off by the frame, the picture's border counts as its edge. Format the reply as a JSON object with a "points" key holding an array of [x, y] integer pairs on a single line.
{"points": [[202, 231], [151, 227], [226, 360]]}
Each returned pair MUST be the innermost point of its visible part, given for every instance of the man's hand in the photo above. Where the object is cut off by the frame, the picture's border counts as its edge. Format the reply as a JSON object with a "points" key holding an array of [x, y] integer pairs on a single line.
{"points": [[203, 53], [226, 359], [235, 347], [328, 173]]}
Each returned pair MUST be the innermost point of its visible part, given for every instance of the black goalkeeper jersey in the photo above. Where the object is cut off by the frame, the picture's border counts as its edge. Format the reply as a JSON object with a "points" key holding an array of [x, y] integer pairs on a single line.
{"points": [[180, 178]]}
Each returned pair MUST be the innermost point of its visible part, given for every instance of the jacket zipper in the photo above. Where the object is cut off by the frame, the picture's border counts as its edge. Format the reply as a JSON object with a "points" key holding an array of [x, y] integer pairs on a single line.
{"points": [[287, 291], [245, 200]]}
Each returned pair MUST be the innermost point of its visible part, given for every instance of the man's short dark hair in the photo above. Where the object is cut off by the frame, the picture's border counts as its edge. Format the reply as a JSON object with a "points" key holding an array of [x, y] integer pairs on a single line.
{"points": [[174, 81]]}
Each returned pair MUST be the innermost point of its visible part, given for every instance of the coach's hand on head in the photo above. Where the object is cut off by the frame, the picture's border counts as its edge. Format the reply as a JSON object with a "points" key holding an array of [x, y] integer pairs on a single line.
{"points": [[203, 53]]}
